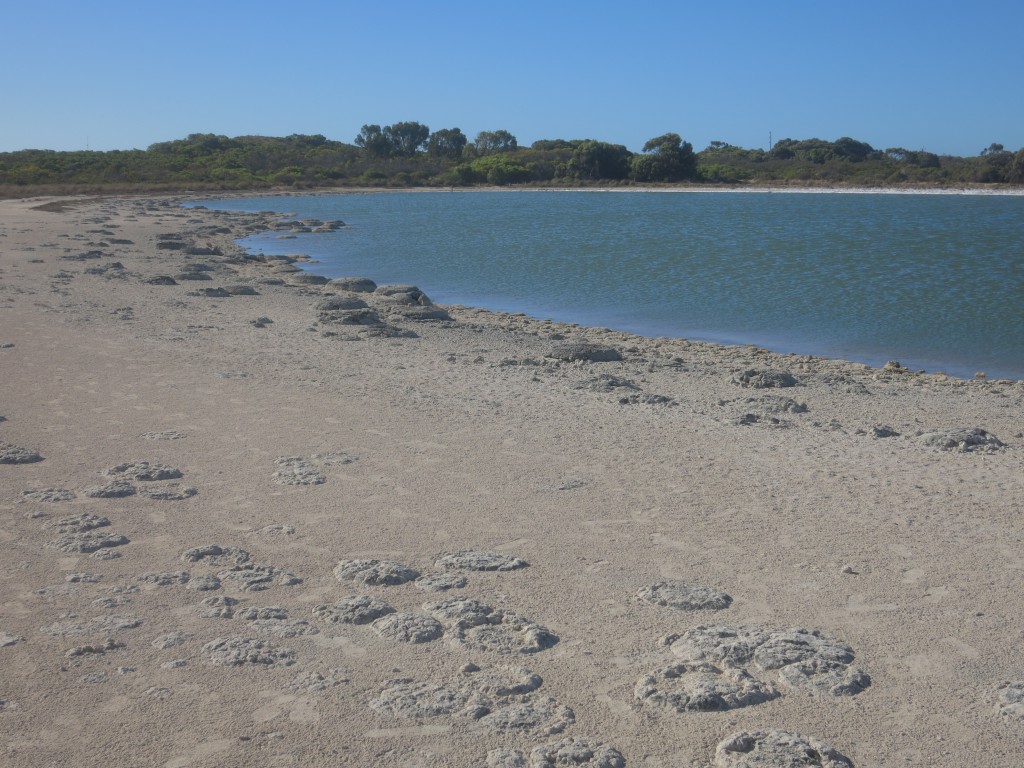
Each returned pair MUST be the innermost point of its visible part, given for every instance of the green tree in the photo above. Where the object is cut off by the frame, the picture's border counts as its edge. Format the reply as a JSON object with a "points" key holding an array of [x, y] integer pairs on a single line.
{"points": [[492, 142], [499, 170], [855, 151], [373, 140], [1016, 172], [599, 160], [406, 139], [447, 142], [547, 145], [666, 158]]}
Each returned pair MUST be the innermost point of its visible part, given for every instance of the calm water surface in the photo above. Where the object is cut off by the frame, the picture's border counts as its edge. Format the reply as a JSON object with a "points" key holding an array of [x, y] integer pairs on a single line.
{"points": [[934, 281]]}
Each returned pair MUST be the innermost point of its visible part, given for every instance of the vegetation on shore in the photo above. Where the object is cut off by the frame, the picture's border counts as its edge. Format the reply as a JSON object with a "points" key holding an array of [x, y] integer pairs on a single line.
{"points": [[408, 154]]}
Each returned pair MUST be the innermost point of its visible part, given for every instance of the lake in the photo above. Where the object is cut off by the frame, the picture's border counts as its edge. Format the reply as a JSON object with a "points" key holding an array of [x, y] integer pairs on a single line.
{"points": [[935, 281]]}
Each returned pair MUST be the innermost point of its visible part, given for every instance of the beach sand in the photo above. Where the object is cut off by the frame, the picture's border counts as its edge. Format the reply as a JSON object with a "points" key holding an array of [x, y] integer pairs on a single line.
{"points": [[240, 526]]}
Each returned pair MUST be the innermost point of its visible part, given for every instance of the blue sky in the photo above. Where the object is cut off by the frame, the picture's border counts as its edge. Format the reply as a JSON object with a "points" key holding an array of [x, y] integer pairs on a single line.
{"points": [[943, 76]]}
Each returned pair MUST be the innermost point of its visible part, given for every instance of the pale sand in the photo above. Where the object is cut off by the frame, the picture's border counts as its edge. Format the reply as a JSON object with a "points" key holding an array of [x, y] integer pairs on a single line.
{"points": [[470, 437]]}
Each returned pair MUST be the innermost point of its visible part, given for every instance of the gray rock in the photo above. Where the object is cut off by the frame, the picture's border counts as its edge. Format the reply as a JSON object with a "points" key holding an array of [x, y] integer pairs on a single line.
{"points": [[581, 351], [144, 471], [314, 682], [169, 434], [213, 293], [544, 716], [776, 749], [440, 582], [91, 541], [503, 682], [963, 440], [93, 650], [111, 602], [1011, 700], [83, 578], [729, 644], [701, 687], [406, 294], [115, 489], [165, 579], [824, 678], [374, 572], [607, 383], [78, 523], [791, 646], [48, 495], [218, 608], [12, 454], [408, 628], [365, 317], [804, 659], [171, 640], [308, 278], [254, 613], [238, 651], [284, 628], [357, 609], [421, 313], [296, 470], [506, 758], [767, 379], [241, 290], [576, 751], [168, 491], [646, 398], [474, 560], [405, 698], [214, 554], [354, 284], [335, 303], [763, 409], [481, 627], [203, 583], [460, 611], [684, 597], [256, 578]]}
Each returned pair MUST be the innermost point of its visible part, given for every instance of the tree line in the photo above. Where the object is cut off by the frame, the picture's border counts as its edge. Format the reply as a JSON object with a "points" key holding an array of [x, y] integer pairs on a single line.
{"points": [[409, 154]]}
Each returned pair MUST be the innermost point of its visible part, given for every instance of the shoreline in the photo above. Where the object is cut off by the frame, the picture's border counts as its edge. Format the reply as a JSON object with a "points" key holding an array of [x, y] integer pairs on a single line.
{"points": [[968, 372], [966, 190], [833, 504], [767, 189]]}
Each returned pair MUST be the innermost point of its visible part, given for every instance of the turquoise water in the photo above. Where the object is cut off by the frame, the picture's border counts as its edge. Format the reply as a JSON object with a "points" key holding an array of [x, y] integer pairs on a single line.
{"points": [[934, 281]]}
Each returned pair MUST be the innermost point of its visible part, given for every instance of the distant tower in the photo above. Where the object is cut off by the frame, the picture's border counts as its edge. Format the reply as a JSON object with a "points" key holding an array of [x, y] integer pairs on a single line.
{"points": [[769, 141]]}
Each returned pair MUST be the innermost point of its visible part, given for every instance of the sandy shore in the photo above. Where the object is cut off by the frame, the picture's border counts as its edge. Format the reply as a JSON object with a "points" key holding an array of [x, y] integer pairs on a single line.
{"points": [[249, 521]]}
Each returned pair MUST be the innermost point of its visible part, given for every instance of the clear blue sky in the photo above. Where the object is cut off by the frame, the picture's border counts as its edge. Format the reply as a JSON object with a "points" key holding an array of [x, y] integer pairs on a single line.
{"points": [[943, 76]]}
